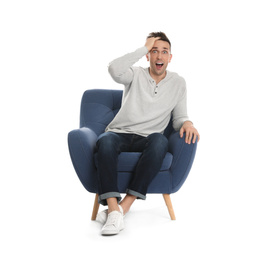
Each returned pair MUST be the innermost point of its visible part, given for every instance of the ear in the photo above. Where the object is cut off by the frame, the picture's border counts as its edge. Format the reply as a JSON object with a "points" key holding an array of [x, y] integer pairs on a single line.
{"points": [[170, 58], [147, 56]]}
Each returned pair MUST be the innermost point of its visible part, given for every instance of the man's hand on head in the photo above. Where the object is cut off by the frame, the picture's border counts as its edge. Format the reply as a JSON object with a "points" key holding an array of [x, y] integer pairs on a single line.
{"points": [[150, 42]]}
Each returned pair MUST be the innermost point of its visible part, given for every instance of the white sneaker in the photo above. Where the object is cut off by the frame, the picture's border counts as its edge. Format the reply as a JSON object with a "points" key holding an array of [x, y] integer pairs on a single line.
{"points": [[102, 216], [114, 223]]}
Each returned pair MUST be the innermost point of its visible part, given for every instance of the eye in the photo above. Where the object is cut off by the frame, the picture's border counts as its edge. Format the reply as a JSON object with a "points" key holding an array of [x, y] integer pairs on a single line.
{"points": [[165, 52], [154, 51]]}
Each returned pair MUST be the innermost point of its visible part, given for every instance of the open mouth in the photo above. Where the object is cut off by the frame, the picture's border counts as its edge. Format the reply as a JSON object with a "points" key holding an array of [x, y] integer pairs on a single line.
{"points": [[159, 65]]}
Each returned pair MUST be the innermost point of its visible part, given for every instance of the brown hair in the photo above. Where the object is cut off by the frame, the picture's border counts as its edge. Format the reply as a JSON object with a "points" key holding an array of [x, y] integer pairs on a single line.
{"points": [[162, 36]]}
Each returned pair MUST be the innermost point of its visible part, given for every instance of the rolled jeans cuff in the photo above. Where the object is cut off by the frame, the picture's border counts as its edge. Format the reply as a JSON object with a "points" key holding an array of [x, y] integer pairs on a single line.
{"points": [[135, 193], [102, 198]]}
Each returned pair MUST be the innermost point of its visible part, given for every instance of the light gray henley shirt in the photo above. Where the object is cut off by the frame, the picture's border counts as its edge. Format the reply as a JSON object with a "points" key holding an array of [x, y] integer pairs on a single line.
{"points": [[146, 106]]}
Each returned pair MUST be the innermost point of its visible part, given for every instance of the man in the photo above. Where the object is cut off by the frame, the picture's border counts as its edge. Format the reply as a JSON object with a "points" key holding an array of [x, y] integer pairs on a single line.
{"points": [[151, 95]]}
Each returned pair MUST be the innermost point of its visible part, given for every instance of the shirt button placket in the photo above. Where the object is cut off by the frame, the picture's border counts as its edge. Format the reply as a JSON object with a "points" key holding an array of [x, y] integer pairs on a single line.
{"points": [[156, 90]]}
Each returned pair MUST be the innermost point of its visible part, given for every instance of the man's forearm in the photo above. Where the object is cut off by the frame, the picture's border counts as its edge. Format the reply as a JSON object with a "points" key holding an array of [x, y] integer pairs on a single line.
{"points": [[119, 68]]}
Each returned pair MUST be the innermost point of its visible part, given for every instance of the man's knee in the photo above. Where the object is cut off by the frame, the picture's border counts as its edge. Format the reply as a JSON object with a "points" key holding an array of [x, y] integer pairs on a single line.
{"points": [[158, 141], [107, 141]]}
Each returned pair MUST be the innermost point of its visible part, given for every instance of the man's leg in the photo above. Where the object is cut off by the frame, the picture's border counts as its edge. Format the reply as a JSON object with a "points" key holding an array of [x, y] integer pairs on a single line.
{"points": [[127, 202], [108, 149], [112, 205], [148, 165]]}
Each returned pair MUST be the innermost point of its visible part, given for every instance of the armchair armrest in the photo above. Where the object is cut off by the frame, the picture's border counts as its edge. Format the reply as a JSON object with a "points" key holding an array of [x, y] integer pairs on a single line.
{"points": [[183, 156], [81, 144]]}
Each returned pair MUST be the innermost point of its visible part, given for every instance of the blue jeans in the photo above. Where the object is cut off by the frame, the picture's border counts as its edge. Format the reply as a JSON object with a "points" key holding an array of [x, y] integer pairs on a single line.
{"points": [[109, 145]]}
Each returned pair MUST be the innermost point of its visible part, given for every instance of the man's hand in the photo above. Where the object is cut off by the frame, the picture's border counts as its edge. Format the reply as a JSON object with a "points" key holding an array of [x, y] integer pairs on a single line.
{"points": [[150, 42], [191, 132]]}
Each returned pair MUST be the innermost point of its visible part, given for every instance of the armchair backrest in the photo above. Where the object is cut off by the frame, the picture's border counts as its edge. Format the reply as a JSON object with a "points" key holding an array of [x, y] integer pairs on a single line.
{"points": [[99, 107]]}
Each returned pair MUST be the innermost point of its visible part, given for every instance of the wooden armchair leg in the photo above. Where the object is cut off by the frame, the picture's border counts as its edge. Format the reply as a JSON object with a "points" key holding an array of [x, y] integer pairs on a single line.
{"points": [[169, 205], [95, 207]]}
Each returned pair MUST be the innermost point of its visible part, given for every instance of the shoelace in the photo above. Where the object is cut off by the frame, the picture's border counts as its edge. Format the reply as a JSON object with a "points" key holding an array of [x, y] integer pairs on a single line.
{"points": [[112, 219]]}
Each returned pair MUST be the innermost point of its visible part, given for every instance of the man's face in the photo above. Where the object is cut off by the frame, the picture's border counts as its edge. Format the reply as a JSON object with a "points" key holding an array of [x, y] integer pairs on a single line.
{"points": [[159, 57]]}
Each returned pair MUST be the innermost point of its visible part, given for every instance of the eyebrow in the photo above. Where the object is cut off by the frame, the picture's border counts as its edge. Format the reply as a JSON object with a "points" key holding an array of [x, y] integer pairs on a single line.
{"points": [[163, 48]]}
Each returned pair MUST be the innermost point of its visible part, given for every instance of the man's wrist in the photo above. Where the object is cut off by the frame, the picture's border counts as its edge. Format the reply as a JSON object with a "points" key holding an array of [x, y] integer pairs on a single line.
{"points": [[146, 49], [189, 123]]}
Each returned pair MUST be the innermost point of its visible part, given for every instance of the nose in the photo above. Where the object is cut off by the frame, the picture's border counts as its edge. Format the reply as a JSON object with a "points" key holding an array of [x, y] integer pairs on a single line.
{"points": [[159, 55]]}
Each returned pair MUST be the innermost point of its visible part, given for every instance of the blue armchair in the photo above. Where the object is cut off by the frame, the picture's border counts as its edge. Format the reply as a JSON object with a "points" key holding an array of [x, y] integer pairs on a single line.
{"points": [[98, 108]]}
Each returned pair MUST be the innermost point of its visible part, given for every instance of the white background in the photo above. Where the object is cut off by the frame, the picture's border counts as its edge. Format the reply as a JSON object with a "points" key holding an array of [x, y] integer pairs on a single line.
{"points": [[52, 51]]}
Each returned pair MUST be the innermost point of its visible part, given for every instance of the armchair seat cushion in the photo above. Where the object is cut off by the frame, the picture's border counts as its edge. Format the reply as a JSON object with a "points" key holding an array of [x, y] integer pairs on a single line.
{"points": [[127, 161]]}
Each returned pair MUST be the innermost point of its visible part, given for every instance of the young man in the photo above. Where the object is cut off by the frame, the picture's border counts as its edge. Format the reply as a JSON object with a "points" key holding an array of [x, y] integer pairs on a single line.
{"points": [[151, 95]]}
